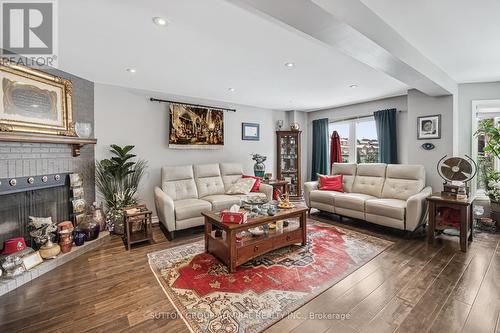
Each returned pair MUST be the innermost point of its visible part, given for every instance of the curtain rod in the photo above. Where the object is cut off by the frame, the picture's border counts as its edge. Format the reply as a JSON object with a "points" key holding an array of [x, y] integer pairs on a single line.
{"points": [[152, 99], [355, 118]]}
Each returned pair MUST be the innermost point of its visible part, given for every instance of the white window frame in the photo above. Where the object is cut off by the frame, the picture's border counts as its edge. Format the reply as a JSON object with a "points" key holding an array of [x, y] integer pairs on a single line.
{"points": [[477, 106], [353, 151]]}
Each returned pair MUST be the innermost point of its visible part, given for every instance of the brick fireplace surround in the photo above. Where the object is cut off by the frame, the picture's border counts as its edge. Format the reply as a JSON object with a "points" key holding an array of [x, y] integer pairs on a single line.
{"points": [[37, 159]]}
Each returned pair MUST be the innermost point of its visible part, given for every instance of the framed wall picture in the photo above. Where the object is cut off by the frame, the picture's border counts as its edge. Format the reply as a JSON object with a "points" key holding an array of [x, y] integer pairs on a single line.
{"points": [[429, 127], [34, 101], [250, 131]]}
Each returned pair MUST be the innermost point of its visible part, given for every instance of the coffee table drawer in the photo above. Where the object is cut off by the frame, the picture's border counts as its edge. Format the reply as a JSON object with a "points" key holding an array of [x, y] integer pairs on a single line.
{"points": [[251, 251], [288, 238]]}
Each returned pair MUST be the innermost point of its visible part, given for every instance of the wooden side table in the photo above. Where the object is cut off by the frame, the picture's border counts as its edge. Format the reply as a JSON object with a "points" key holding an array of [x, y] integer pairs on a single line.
{"points": [[277, 184], [437, 201], [137, 214]]}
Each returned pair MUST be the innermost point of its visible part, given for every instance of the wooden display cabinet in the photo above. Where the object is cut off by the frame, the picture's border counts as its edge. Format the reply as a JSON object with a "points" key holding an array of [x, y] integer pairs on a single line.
{"points": [[288, 144]]}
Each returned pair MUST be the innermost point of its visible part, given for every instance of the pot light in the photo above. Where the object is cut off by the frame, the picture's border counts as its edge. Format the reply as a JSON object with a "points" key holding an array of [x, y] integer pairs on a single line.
{"points": [[353, 86], [160, 21], [131, 70], [289, 64], [231, 89]]}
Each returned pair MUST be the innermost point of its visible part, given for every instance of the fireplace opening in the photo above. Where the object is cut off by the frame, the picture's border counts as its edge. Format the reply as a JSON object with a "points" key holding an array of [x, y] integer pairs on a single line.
{"points": [[50, 200]]}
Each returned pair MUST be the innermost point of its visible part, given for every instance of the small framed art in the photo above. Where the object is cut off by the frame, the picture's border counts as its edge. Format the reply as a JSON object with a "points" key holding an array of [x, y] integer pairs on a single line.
{"points": [[429, 127], [250, 131]]}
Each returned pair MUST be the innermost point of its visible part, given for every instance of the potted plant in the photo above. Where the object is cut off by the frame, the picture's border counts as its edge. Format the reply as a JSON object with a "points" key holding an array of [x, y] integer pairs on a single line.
{"points": [[118, 179]]}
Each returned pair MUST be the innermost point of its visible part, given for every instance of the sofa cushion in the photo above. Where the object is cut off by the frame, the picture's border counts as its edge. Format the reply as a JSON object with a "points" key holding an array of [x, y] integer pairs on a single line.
{"points": [[256, 185], [241, 186], [403, 181], [230, 173], [178, 182], [322, 196], [222, 201], [392, 208], [370, 179], [208, 179], [331, 183], [189, 208], [348, 172], [352, 201]]}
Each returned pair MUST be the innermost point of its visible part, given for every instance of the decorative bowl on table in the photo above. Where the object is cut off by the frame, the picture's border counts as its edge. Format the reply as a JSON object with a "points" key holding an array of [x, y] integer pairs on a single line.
{"points": [[254, 201]]}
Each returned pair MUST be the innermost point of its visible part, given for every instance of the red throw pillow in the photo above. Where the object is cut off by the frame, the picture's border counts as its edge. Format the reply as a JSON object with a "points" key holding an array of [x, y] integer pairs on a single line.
{"points": [[256, 185], [331, 183]]}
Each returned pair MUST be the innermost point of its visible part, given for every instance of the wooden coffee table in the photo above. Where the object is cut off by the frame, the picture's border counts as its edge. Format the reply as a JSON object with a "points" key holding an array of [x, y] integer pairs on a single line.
{"points": [[235, 253]]}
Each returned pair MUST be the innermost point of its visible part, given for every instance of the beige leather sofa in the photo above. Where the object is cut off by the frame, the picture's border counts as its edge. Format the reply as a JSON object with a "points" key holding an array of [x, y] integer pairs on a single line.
{"points": [[187, 191], [393, 195]]}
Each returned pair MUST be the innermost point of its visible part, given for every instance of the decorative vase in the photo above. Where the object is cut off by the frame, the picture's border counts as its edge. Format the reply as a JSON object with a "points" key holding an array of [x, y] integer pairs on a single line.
{"points": [[66, 241], [83, 130], [49, 250], [79, 237], [90, 228], [259, 169], [99, 218]]}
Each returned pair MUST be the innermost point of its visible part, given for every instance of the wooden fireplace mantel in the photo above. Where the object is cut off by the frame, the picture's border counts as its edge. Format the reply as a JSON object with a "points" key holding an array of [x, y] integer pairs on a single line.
{"points": [[76, 142]]}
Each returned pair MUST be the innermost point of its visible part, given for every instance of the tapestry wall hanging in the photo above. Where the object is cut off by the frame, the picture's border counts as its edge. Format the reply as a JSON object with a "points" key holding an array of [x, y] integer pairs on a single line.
{"points": [[195, 127]]}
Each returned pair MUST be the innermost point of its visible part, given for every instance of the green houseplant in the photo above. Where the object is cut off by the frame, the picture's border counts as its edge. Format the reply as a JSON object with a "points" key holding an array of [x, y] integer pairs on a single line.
{"points": [[118, 179]]}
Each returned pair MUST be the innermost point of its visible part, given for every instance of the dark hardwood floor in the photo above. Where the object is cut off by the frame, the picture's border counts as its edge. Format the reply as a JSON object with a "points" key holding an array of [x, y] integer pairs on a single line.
{"points": [[411, 287]]}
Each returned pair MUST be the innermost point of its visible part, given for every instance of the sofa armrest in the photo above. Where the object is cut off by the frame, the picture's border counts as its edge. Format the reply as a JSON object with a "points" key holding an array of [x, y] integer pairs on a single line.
{"points": [[308, 187], [165, 209], [267, 190], [416, 209]]}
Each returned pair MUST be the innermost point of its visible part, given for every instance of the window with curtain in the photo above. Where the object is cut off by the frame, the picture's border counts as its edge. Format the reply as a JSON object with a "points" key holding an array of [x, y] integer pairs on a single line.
{"points": [[358, 140]]}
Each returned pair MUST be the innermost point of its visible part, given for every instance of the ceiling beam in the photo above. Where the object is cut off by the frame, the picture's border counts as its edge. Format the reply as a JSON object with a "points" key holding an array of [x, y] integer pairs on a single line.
{"points": [[354, 29]]}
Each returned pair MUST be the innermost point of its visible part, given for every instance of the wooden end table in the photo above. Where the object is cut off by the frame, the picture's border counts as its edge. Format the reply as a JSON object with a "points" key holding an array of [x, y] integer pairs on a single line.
{"points": [[142, 215], [466, 217], [277, 184], [235, 253]]}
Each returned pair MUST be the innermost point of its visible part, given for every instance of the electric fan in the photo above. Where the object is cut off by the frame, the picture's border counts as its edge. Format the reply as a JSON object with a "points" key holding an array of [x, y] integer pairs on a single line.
{"points": [[456, 170]]}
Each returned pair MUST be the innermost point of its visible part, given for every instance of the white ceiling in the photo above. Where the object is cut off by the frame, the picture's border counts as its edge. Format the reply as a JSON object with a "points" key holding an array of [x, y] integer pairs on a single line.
{"points": [[209, 46], [460, 36]]}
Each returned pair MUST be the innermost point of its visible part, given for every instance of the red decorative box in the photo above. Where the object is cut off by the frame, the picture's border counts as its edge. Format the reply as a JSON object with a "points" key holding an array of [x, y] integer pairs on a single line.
{"points": [[231, 217]]}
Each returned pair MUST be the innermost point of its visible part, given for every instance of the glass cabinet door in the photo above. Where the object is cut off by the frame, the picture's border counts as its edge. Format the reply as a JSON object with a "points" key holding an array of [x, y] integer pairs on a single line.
{"points": [[289, 162]]}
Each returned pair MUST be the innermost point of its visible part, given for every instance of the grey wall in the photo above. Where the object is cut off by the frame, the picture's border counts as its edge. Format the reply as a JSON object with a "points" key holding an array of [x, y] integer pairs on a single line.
{"points": [[467, 93], [363, 109], [33, 159], [126, 116], [420, 104]]}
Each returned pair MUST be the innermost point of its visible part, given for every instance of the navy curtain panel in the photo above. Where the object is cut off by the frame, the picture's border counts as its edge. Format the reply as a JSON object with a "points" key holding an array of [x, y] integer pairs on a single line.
{"points": [[320, 158], [385, 121]]}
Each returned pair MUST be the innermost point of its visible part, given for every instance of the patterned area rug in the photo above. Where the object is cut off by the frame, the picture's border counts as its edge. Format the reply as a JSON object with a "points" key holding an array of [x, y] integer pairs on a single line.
{"points": [[264, 290]]}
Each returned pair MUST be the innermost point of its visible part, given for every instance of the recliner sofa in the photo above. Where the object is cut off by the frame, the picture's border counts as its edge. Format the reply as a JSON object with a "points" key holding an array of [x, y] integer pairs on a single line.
{"points": [[187, 191], [393, 195]]}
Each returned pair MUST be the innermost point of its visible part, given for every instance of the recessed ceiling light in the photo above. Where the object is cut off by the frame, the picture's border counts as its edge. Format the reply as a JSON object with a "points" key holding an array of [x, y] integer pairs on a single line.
{"points": [[289, 64], [231, 89], [131, 70], [353, 86], [160, 21]]}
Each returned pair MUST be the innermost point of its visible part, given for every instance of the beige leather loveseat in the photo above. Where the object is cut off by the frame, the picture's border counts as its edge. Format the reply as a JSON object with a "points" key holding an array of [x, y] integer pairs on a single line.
{"points": [[392, 195], [187, 191]]}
